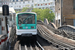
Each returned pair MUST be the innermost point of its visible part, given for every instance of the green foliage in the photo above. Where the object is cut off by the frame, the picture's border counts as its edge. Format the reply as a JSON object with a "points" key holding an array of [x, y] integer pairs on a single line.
{"points": [[41, 13], [23, 10], [17, 11], [44, 13]]}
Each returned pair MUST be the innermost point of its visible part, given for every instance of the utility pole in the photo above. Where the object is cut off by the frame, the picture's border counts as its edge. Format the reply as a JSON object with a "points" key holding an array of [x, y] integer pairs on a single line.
{"points": [[5, 9], [61, 12]]}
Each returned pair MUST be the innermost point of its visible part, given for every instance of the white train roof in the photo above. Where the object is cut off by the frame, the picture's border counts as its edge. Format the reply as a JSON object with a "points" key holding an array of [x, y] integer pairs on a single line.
{"points": [[27, 12]]}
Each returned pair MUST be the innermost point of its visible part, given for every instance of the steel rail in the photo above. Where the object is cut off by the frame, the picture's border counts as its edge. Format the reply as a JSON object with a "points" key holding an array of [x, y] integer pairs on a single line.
{"points": [[46, 37], [66, 43], [55, 39], [26, 47], [71, 35], [19, 46], [39, 45], [31, 47], [36, 47]]}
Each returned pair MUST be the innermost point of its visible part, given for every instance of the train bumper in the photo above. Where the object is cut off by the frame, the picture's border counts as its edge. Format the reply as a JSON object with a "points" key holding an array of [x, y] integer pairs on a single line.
{"points": [[26, 32], [33, 37]]}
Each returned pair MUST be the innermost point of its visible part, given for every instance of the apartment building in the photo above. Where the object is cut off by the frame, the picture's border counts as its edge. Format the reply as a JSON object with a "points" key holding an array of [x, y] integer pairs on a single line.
{"points": [[43, 4], [19, 4], [4, 2]]}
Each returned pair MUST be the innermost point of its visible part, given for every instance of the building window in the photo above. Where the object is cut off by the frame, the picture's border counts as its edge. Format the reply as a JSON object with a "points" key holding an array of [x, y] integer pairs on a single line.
{"points": [[49, 3], [38, 4], [46, 4], [13, 0], [46, 7], [40, 0], [32, 1], [28, 1], [43, 0], [41, 4], [42, 7], [21, 0], [19, 6], [11, 3], [73, 4], [16, 0], [35, 4], [31, 5]]}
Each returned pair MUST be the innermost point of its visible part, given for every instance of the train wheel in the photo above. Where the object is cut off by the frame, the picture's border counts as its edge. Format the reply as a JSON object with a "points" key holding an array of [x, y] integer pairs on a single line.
{"points": [[35, 38]]}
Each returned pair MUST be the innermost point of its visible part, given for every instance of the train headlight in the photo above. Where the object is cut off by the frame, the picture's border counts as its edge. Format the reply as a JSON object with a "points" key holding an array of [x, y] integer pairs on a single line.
{"points": [[20, 27]]}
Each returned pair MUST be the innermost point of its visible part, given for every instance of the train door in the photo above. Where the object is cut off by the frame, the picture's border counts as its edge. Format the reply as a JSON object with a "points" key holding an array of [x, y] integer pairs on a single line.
{"points": [[0, 27]]}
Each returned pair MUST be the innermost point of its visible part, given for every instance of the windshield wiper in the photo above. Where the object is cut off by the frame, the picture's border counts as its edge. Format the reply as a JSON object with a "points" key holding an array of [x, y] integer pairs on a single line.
{"points": [[24, 22]]}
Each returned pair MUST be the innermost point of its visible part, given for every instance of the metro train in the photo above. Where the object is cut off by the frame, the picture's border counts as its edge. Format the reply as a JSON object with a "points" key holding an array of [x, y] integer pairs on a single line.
{"points": [[26, 25]]}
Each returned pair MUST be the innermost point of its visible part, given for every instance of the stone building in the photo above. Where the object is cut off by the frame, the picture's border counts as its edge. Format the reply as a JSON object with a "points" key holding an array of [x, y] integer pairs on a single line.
{"points": [[65, 10], [58, 12]]}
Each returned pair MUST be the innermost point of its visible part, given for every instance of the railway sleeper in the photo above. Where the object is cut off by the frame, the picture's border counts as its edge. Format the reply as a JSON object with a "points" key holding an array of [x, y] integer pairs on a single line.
{"points": [[70, 46], [64, 48]]}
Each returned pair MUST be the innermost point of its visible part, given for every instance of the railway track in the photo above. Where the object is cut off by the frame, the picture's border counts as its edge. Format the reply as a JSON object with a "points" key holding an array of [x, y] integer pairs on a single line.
{"points": [[45, 45], [55, 42], [31, 46], [68, 34]]}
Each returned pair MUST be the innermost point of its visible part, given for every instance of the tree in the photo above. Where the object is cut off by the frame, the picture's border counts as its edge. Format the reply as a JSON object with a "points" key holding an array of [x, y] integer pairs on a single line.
{"points": [[23, 10], [44, 13], [41, 13]]}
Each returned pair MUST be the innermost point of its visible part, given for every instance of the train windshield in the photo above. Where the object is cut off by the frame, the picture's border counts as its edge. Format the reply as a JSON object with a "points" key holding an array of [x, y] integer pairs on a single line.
{"points": [[26, 19]]}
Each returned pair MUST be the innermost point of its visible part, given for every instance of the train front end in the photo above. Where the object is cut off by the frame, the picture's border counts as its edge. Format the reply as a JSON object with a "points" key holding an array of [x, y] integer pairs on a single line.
{"points": [[26, 25]]}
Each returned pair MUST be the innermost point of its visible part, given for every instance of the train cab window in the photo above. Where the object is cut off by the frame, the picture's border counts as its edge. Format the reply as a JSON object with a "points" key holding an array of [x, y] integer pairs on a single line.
{"points": [[26, 19]]}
